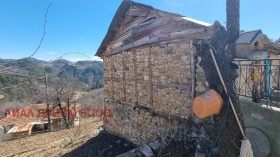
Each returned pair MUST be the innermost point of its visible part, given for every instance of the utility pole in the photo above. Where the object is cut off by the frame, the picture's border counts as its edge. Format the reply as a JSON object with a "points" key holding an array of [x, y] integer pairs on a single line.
{"points": [[233, 26], [47, 102], [233, 18], [228, 135]]}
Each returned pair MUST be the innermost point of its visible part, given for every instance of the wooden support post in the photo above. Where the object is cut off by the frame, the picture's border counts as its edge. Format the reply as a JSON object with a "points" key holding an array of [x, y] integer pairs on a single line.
{"points": [[193, 72], [135, 74], [112, 75], [150, 75], [123, 72]]}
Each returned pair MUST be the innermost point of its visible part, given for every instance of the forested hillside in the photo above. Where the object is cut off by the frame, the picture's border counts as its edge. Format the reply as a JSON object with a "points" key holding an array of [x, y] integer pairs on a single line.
{"points": [[25, 78]]}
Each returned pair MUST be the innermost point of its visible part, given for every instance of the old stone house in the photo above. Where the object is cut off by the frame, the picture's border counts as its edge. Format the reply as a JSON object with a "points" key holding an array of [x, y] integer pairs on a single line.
{"points": [[151, 71], [255, 45]]}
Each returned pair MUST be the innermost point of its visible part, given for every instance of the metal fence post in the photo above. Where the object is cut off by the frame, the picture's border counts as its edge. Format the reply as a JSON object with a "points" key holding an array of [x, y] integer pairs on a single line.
{"points": [[267, 64]]}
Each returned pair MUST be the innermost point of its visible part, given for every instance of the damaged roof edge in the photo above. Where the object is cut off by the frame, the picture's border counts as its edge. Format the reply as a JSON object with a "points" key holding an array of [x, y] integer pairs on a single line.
{"points": [[197, 21], [122, 10]]}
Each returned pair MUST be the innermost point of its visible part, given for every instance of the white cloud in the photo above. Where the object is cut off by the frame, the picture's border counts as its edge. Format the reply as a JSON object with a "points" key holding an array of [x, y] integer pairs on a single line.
{"points": [[81, 38], [74, 59], [39, 58], [51, 53], [96, 58]]}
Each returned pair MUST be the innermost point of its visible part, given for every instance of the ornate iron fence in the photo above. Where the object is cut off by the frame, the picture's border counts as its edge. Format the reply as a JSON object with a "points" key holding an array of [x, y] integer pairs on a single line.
{"points": [[259, 80]]}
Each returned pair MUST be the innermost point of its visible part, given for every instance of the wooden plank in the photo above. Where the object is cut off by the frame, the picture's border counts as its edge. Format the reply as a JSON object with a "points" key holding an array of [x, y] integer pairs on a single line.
{"points": [[150, 75], [127, 21], [178, 86], [146, 40], [112, 76], [153, 39], [127, 41], [181, 81], [156, 23], [123, 71], [143, 41], [193, 72], [171, 27], [135, 74], [200, 36], [115, 44], [136, 20], [115, 50], [134, 23], [120, 38], [125, 47], [138, 12], [186, 32], [186, 87], [147, 21]]}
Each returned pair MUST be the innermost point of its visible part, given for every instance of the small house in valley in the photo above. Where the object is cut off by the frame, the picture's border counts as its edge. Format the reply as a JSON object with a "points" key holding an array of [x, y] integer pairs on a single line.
{"points": [[33, 119]]}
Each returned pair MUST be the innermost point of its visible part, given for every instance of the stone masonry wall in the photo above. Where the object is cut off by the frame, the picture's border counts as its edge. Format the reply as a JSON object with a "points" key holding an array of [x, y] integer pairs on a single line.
{"points": [[138, 125], [148, 87], [200, 79]]}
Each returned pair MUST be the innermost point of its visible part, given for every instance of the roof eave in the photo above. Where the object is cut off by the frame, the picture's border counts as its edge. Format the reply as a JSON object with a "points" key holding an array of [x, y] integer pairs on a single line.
{"points": [[122, 10]]}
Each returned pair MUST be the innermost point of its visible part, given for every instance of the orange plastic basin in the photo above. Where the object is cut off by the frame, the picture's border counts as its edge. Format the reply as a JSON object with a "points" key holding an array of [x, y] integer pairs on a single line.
{"points": [[208, 104]]}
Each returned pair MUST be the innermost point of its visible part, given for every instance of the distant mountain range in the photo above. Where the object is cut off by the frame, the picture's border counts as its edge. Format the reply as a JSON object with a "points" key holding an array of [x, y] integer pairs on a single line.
{"points": [[86, 74], [59, 61]]}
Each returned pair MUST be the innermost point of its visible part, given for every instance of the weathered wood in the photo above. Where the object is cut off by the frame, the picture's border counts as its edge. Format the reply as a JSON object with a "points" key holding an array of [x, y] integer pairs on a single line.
{"points": [[174, 85], [127, 21], [181, 82], [116, 50], [140, 42], [186, 32], [123, 71], [147, 22], [150, 75], [112, 75], [126, 47], [146, 40], [193, 72], [183, 86], [134, 23], [135, 74], [138, 11], [115, 44], [165, 28], [119, 39], [156, 23]]}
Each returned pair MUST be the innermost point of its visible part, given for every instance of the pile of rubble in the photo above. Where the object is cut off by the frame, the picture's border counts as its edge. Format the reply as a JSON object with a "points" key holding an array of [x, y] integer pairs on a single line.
{"points": [[179, 142]]}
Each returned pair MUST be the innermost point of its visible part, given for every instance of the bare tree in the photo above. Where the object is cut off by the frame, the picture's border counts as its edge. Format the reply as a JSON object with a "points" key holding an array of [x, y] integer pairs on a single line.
{"points": [[60, 92]]}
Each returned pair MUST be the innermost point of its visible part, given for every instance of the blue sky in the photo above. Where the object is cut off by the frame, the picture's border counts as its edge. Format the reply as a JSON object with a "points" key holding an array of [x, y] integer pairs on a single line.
{"points": [[80, 25]]}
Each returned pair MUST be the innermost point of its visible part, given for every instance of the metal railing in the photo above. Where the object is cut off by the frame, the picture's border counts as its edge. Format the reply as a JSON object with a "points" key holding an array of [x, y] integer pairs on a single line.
{"points": [[259, 80]]}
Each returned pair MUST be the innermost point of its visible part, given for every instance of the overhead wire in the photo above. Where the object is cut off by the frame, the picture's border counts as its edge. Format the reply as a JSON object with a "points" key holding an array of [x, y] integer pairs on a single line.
{"points": [[13, 69]]}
